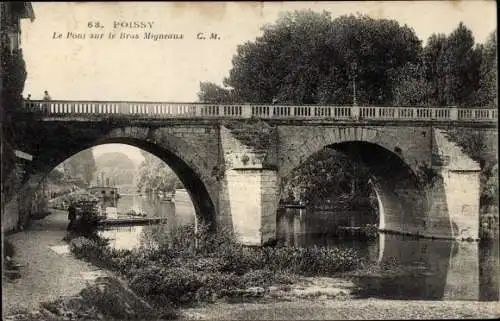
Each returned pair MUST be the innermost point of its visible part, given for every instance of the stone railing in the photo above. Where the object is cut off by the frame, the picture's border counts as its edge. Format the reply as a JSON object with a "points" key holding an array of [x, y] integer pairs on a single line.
{"points": [[242, 111]]}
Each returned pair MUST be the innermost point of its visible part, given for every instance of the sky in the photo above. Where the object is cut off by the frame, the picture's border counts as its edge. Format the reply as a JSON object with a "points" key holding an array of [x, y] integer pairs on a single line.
{"points": [[171, 69]]}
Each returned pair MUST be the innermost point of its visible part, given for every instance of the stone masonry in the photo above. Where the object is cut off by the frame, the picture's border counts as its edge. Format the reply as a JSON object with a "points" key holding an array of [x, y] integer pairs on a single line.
{"points": [[234, 180]]}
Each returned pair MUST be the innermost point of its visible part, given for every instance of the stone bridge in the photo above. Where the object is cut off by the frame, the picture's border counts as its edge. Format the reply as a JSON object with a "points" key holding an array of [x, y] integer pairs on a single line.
{"points": [[231, 158]]}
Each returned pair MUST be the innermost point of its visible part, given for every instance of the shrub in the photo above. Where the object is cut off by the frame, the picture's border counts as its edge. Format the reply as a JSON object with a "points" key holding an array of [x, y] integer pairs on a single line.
{"points": [[264, 277], [488, 227], [200, 266]]}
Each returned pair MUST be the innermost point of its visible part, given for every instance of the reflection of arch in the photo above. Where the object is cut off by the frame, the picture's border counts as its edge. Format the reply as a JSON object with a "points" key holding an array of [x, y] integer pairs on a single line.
{"points": [[189, 175], [401, 199], [429, 260]]}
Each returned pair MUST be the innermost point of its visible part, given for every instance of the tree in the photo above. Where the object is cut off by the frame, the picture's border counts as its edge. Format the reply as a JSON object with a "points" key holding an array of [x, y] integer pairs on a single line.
{"points": [[308, 58], [81, 166], [452, 66], [327, 175], [155, 175], [487, 93], [410, 88], [211, 93]]}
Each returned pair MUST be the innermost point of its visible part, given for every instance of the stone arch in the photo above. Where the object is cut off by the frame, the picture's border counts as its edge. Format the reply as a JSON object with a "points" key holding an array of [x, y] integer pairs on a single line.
{"points": [[402, 200], [176, 153], [297, 143]]}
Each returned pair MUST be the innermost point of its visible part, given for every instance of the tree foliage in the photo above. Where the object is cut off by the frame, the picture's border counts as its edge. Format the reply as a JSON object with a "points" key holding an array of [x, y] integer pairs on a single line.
{"points": [[487, 93], [212, 93], [308, 58], [452, 71], [155, 175], [81, 167], [327, 176]]}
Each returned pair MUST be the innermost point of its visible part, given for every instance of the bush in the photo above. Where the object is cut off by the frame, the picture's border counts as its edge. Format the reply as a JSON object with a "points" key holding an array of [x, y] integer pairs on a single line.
{"points": [[200, 266], [488, 227]]}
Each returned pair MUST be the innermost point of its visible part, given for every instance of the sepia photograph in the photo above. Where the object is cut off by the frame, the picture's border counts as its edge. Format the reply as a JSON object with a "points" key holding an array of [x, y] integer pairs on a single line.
{"points": [[314, 160]]}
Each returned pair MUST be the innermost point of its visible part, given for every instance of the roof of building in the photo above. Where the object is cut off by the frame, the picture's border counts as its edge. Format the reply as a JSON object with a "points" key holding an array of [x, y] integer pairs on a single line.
{"points": [[23, 10]]}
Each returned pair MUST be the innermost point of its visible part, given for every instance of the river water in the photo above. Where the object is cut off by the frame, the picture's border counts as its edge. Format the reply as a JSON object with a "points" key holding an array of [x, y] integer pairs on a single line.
{"points": [[400, 267]]}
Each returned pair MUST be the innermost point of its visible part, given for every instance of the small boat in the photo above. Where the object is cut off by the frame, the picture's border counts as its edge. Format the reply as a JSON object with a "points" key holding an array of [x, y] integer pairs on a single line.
{"points": [[104, 192], [136, 212]]}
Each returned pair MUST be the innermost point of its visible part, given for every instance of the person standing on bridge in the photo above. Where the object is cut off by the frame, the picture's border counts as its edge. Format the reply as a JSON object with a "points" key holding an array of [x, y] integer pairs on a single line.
{"points": [[46, 97], [27, 102]]}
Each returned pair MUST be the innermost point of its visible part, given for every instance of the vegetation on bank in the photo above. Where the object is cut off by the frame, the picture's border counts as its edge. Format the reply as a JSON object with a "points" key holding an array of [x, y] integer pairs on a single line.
{"points": [[203, 267]]}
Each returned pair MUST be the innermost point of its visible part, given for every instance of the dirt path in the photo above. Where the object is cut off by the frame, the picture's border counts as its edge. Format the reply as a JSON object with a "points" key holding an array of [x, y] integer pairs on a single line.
{"points": [[49, 271]]}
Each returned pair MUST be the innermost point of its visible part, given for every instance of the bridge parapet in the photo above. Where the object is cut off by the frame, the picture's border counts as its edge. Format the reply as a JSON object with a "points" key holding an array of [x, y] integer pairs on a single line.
{"points": [[166, 110]]}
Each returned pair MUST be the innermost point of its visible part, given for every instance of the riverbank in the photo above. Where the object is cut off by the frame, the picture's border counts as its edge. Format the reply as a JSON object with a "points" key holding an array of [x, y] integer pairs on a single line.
{"points": [[320, 298], [237, 287], [51, 284], [358, 309], [228, 281]]}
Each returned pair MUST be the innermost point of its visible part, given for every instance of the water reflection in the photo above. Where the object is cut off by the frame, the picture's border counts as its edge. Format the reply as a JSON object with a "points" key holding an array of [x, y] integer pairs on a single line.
{"points": [[124, 237], [399, 267], [178, 213]]}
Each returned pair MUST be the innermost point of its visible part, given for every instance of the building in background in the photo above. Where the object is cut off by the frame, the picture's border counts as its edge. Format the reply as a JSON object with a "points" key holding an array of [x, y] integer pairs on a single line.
{"points": [[13, 72]]}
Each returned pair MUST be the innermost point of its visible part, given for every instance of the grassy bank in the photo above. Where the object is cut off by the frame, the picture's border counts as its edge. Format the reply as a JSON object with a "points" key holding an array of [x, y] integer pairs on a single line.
{"points": [[203, 267]]}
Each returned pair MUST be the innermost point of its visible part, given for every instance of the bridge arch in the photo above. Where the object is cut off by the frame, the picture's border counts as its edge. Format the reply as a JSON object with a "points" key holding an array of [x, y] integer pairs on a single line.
{"points": [[402, 199], [199, 188]]}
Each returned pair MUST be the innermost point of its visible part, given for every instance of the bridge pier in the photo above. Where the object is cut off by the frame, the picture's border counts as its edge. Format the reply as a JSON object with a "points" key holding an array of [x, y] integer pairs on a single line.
{"points": [[456, 194], [253, 200], [251, 191]]}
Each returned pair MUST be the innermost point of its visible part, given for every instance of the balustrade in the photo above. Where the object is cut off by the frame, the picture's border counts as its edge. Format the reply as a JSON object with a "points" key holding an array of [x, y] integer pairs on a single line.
{"points": [[193, 110]]}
